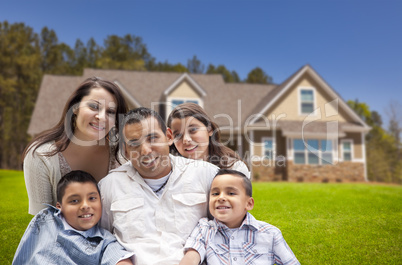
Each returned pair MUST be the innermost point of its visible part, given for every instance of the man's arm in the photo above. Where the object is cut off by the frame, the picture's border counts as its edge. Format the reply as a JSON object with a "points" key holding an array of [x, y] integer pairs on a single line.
{"points": [[106, 219], [192, 257], [282, 252], [125, 262]]}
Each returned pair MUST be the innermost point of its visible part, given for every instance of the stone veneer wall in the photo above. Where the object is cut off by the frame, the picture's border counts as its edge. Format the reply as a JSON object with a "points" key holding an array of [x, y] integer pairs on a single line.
{"points": [[341, 172], [266, 171]]}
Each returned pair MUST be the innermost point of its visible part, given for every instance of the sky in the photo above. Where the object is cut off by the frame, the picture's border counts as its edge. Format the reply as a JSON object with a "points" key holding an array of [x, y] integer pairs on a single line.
{"points": [[354, 45]]}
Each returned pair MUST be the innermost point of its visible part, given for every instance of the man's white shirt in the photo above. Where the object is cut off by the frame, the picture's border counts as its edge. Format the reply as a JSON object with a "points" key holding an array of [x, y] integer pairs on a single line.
{"points": [[155, 227]]}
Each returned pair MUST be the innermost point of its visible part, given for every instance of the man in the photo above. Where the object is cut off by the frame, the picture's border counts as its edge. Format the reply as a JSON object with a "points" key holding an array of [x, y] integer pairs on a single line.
{"points": [[153, 202]]}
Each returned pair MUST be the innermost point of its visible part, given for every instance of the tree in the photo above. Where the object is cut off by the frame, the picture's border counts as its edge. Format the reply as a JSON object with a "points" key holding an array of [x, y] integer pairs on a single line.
{"points": [[48, 49], [195, 66], [363, 110], [229, 77], [236, 77], [93, 53], [165, 67], [57, 58], [126, 53], [394, 111], [383, 163], [80, 56], [20, 76], [258, 76]]}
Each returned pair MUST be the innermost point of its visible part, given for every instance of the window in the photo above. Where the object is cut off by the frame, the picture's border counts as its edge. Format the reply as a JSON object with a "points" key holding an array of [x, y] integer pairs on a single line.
{"points": [[268, 148], [176, 102], [313, 151], [347, 150], [326, 152], [306, 101], [299, 151]]}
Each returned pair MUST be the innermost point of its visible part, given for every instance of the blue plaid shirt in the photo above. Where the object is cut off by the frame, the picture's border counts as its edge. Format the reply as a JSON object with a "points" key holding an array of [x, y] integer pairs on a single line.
{"points": [[48, 241], [254, 242]]}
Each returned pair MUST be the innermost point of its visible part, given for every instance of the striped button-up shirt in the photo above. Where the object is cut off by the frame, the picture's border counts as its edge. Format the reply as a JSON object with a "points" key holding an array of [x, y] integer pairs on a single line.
{"points": [[254, 242], [50, 240]]}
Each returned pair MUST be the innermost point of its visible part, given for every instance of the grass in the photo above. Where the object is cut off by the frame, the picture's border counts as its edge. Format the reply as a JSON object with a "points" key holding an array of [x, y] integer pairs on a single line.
{"points": [[322, 223], [14, 216]]}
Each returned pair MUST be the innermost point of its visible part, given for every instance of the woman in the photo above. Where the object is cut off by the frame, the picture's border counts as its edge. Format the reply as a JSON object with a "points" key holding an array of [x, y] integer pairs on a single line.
{"points": [[85, 138], [196, 136]]}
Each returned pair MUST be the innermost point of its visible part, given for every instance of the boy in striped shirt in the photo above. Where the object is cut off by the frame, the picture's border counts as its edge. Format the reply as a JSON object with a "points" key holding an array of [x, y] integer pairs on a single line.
{"points": [[234, 236], [69, 234]]}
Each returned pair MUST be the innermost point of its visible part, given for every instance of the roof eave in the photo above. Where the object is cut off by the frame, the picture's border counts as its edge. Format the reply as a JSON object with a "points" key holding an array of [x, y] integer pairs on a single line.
{"points": [[183, 77]]}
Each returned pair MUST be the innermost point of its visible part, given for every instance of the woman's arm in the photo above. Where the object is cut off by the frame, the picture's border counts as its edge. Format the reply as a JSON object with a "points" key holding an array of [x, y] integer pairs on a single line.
{"points": [[38, 173]]}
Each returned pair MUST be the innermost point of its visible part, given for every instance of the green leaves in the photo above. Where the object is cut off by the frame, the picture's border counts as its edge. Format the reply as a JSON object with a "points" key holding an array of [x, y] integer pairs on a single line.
{"points": [[383, 149], [258, 76], [20, 75]]}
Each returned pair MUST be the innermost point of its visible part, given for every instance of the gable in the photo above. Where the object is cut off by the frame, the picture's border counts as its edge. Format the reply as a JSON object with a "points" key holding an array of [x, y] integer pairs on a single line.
{"points": [[184, 90], [285, 101], [289, 105]]}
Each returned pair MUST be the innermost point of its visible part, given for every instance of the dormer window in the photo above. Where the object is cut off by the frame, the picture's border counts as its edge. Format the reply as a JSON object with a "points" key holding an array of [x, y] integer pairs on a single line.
{"points": [[176, 102], [173, 102], [306, 100]]}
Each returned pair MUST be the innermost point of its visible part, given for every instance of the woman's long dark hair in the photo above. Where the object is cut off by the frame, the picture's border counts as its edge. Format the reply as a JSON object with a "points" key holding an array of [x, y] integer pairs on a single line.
{"points": [[60, 134], [218, 154]]}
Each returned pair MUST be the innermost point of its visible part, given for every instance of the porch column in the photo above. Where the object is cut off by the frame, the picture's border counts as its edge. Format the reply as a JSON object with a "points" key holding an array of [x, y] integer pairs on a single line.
{"points": [[364, 156]]}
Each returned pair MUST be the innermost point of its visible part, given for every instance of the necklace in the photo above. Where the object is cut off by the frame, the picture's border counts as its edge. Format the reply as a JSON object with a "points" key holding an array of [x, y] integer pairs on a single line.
{"points": [[161, 187]]}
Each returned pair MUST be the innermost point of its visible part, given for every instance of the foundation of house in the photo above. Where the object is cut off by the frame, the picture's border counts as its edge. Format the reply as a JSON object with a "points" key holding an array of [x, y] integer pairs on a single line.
{"points": [[341, 172]]}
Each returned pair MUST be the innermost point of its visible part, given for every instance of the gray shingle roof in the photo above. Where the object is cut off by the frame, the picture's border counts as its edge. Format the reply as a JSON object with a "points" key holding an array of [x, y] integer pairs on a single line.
{"points": [[237, 101]]}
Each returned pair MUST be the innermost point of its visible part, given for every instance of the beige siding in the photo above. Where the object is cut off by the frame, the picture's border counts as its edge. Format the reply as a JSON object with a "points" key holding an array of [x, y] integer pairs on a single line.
{"points": [[184, 90], [289, 104], [258, 145], [357, 145]]}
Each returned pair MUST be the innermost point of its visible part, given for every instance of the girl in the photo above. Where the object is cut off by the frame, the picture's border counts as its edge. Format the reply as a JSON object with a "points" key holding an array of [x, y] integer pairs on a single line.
{"points": [[196, 136], [85, 138]]}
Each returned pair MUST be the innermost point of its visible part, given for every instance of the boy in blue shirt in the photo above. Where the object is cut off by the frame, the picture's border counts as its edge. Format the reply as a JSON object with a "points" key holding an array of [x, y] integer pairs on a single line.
{"points": [[234, 236], [69, 234]]}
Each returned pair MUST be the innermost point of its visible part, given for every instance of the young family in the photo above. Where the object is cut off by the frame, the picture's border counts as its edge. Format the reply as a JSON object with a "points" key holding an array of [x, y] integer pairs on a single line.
{"points": [[155, 183]]}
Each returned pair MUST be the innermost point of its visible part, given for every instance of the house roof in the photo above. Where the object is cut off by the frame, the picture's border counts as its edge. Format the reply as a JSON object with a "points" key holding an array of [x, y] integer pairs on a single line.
{"points": [[230, 104], [53, 94], [234, 100]]}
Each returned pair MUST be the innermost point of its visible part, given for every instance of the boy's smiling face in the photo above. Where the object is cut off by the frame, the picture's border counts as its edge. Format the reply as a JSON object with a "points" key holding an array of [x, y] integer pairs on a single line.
{"points": [[81, 205], [228, 201]]}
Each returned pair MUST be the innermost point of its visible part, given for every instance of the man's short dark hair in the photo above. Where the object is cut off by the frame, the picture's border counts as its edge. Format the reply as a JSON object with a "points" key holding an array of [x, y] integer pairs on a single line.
{"points": [[246, 181], [71, 177], [140, 114]]}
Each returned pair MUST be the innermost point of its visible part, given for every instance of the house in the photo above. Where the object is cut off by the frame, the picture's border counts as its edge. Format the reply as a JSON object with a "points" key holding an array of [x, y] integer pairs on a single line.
{"points": [[300, 130]]}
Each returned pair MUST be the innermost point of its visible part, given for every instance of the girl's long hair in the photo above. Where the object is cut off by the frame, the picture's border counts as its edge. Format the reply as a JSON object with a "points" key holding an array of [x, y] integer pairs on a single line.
{"points": [[218, 154], [61, 134]]}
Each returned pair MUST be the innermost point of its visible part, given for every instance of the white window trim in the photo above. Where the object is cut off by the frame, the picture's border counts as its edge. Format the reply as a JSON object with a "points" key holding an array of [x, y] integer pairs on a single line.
{"points": [[299, 101], [292, 151], [263, 139], [352, 157], [364, 155], [289, 148]]}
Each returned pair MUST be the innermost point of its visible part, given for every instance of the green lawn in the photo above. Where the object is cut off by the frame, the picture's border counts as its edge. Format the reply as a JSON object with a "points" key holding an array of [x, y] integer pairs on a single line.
{"points": [[322, 223]]}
